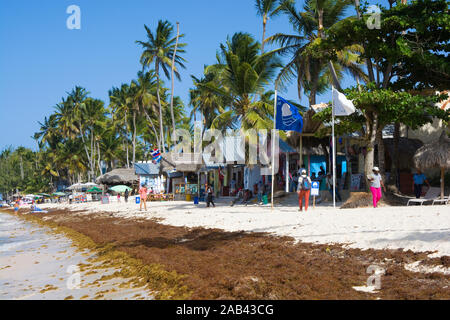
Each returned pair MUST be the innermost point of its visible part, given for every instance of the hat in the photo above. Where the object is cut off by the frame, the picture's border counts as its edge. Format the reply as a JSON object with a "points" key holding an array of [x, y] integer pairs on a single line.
{"points": [[376, 169], [303, 172]]}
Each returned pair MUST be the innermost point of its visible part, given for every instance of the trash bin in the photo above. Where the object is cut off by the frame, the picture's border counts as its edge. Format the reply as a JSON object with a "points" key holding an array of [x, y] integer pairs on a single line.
{"points": [[264, 199], [138, 200], [188, 197], [195, 200]]}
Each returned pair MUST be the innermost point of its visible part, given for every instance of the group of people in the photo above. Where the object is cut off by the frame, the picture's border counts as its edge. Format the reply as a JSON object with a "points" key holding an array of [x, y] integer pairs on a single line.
{"points": [[375, 179]]}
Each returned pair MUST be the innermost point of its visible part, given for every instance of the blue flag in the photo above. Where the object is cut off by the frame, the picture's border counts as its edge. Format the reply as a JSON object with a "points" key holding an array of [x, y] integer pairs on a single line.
{"points": [[288, 117]]}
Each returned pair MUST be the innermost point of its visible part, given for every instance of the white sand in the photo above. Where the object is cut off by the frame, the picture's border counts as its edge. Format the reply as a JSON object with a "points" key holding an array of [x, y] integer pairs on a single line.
{"points": [[416, 228]]}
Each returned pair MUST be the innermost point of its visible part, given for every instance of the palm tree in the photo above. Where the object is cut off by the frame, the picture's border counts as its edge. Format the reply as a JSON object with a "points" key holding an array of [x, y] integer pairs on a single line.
{"points": [[145, 98], [244, 75], [120, 110], [266, 9], [205, 101], [309, 25], [160, 51]]}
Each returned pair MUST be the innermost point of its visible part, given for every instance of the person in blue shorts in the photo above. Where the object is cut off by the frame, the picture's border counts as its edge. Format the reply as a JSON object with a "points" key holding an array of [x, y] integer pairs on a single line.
{"points": [[418, 180]]}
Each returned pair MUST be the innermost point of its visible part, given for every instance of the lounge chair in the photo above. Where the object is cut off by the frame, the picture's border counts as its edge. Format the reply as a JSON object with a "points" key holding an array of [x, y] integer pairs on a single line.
{"points": [[445, 200], [431, 195]]}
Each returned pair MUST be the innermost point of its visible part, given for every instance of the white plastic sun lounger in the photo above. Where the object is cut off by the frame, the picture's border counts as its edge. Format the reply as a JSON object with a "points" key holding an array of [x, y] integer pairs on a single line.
{"points": [[445, 200], [431, 195]]}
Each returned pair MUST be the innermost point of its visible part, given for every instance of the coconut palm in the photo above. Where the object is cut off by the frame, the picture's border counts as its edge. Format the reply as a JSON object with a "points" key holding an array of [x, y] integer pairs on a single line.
{"points": [[146, 99], [243, 76], [266, 9], [309, 25], [121, 108], [159, 50]]}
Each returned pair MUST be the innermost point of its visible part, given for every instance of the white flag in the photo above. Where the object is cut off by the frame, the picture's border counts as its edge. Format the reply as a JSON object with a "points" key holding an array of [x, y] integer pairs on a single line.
{"points": [[342, 106]]}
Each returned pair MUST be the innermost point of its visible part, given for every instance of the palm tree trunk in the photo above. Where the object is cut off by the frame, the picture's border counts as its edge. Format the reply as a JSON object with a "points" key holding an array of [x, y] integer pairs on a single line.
{"points": [[134, 137], [126, 138], [161, 130], [264, 34], [153, 128], [173, 80]]}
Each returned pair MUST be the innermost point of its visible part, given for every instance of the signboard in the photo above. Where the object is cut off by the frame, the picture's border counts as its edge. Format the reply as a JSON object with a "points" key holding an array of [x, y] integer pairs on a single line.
{"points": [[315, 188], [355, 182]]}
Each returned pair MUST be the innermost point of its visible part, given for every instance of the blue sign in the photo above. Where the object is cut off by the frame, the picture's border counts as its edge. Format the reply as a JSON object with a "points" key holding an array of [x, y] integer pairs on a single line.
{"points": [[315, 188]]}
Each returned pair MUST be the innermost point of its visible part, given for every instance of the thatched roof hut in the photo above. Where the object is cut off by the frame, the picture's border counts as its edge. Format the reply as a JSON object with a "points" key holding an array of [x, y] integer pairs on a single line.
{"points": [[435, 155], [119, 176]]}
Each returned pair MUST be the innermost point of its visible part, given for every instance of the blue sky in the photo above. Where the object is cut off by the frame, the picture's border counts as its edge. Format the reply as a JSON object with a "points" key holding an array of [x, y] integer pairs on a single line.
{"points": [[41, 60]]}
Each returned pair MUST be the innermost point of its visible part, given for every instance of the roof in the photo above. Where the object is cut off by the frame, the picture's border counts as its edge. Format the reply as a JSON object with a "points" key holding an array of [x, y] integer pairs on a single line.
{"points": [[119, 176], [285, 148], [146, 168], [436, 154]]}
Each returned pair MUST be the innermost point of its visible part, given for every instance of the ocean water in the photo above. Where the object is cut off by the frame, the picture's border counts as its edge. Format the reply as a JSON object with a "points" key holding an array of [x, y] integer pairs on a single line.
{"points": [[36, 264], [11, 239]]}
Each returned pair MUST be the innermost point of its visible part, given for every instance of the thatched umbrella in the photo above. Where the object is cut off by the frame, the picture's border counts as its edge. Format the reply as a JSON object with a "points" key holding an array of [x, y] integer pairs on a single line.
{"points": [[119, 176], [435, 155]]}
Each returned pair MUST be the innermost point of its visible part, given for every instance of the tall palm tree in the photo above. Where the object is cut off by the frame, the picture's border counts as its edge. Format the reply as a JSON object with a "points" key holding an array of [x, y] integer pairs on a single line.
{"points": [[120, 110], [309, 26], [266, 9], [244, 75], [159, 49], [145, 98]]}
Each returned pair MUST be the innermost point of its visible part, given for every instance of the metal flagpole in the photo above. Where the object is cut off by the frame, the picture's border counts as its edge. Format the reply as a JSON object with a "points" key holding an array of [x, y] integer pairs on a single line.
{"points": [[334, 148], [273, 141]]}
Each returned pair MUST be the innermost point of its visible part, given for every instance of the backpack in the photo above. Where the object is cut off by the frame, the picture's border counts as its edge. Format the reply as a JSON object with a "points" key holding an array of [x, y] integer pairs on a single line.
{"points": [[305, 184]]}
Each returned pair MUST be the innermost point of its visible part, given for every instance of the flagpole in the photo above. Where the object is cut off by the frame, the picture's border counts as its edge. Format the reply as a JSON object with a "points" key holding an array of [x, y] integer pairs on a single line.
{"points": [[273, 141], [333, 148]]}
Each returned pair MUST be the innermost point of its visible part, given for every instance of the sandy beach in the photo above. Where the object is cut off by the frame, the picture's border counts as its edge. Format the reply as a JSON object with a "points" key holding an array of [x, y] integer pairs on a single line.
{"points": [[417, 228], [252, 252]]}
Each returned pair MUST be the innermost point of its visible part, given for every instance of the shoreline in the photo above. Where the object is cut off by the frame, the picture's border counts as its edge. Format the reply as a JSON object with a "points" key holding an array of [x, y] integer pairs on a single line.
{"points": [[57, 264], [216, 264]]}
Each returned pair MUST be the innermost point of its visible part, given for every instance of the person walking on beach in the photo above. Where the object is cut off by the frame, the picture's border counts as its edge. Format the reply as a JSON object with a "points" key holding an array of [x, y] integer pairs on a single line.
{"points": [[330, 187], [118, 197], [209, 195], [143, 196], [376, 182], [303, 190], [16, 207], [418, 180], [127, 193]]}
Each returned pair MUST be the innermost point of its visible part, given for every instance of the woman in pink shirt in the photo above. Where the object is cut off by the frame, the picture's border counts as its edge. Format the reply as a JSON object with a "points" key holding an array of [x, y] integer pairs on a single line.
{"points": [[143, 196]]}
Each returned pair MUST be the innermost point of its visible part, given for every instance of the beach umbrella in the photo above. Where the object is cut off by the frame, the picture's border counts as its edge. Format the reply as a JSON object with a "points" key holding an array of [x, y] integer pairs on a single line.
{"points": [[435, 155], [120, 188], [90, 185], [59, 194], [76, 186], [44, 194], [94, 190]]}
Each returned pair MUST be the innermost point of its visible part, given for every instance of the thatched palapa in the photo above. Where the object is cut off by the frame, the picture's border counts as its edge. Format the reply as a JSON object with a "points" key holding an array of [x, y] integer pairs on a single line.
{"points": [[119, 176], [435, 155]]}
